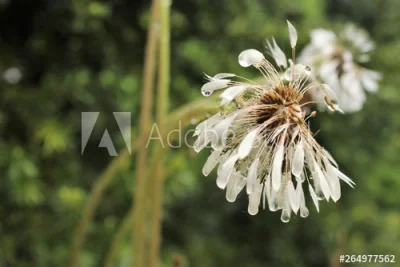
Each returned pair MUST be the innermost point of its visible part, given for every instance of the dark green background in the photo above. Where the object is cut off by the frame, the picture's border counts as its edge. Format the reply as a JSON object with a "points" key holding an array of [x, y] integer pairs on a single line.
{"points": [[83, 55]]}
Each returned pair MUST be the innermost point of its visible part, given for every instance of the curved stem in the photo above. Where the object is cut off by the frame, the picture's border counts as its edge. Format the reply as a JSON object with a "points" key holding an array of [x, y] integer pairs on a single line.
{"points": [[119, 163], [94, 198], [118, 238], [197, 110]]}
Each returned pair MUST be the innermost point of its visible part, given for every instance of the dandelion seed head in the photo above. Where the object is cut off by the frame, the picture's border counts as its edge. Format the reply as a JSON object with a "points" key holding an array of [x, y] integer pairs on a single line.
{"points": [[337, 60], [261, 140]]}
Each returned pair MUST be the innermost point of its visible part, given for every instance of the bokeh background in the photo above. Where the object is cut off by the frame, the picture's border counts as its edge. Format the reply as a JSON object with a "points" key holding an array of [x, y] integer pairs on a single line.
{"points": [[71, 56]]}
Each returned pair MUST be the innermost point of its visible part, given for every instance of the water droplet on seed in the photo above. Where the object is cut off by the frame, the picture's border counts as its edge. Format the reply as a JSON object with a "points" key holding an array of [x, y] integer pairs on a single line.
{"points": [[206, 93], [285, 216], [250, 57], [243, 62]]}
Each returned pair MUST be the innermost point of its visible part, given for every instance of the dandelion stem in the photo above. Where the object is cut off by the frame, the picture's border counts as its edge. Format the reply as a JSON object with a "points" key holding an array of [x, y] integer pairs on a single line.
{"points": [[118, 238], [93, 201], [138, 233], [157, 184], [182, 115]]}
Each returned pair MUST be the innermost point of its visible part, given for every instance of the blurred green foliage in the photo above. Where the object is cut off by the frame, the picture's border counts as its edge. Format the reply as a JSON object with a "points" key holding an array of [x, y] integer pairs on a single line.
{"points": [[85, 55]]}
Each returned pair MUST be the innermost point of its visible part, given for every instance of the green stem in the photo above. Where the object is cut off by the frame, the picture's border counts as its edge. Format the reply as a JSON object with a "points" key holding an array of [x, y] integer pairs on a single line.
{"points": [[94, 198], [118, 238], [138, 235], [120, 163], [156, 188], [183, 115]]}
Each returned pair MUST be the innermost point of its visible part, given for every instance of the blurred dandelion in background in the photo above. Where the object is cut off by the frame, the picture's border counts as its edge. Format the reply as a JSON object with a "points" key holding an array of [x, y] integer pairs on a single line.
{"points": [[337, 60], [12, 75], [261, 140]]}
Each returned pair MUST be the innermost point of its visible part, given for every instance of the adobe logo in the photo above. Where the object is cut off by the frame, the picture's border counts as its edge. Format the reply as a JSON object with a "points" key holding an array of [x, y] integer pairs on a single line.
{"points": [[88, 121]]}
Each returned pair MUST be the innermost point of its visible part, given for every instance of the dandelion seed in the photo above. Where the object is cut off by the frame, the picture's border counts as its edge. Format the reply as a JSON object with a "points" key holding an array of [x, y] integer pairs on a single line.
{"points": [[292, 34], [277, 54], [229, 94], [261, 140], [250, 57]]}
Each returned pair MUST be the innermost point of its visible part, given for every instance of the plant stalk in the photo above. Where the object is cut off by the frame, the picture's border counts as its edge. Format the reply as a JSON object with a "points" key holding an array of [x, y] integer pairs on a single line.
{"points": [[94, 199], [183, 115], [157, 184], [138, 233]]}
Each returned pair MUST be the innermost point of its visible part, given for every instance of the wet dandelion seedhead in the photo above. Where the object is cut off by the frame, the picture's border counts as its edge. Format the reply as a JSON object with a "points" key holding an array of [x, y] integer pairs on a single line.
{"points": [[262, 142], [281, 104]]}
